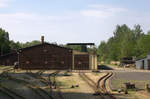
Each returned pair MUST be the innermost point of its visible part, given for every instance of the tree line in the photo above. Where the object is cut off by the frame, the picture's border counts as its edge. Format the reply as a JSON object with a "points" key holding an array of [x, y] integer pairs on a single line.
{"points": [[125, 42], [7, 45]]}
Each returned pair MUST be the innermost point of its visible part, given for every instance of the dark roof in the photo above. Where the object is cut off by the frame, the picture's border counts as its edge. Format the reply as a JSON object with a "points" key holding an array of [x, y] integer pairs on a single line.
{"points": [[140, 59], [126, 58], [7, 54], [80, 44], [2, 56], [43, 44]]}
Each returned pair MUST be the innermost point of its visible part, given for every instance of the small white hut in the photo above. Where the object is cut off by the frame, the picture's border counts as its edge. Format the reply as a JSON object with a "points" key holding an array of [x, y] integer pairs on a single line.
{"points": [[143, 63]]}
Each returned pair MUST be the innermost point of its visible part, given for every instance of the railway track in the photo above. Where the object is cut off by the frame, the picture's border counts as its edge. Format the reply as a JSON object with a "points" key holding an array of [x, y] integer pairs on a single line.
{"points": [[38, 76], [11, 94], [7, 69], [89, 81], [100, 87], [92, 84], [52, 76], [40, 92], [50, 81], [14, 95]]}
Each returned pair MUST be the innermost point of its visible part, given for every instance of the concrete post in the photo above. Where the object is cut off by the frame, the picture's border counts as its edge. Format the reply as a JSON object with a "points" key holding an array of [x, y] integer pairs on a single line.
{"points": [[73, 60]]}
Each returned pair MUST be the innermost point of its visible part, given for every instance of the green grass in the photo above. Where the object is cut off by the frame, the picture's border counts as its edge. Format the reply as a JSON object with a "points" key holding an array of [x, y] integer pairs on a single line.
{"points": [[66, 83], [59, 83], [4, 67]]}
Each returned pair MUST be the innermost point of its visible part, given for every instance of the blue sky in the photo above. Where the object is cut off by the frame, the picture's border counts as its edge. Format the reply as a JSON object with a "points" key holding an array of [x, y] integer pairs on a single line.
{"points": [[64, 21]]}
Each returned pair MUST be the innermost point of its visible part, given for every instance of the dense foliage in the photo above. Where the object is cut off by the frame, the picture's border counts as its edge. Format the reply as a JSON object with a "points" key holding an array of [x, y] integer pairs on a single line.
{"points": [[6, 45], [4, 42], [125, 42]]}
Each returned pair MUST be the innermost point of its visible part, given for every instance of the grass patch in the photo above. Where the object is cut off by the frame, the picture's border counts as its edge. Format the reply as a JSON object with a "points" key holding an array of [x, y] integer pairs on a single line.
{"points": [[59, 83], [65, 83], [5, 67]]}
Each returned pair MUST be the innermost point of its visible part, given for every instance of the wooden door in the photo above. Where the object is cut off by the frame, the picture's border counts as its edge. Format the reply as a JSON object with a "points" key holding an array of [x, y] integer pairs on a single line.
{"points": [[81, 62]]}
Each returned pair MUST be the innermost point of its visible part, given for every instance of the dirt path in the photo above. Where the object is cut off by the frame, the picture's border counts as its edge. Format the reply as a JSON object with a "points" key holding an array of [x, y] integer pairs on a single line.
{"points": [[81, 92], [143, 95]]}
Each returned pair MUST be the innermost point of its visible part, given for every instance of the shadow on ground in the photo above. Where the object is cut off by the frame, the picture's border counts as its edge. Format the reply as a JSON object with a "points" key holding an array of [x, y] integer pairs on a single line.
{"points": [[76, 95], [21, 87], [104, 67]]}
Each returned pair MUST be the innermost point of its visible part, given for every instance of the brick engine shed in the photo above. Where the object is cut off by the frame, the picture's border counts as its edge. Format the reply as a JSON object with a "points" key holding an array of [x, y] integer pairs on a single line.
{"points": [[8, 59], [45, 56], [50, 56]]}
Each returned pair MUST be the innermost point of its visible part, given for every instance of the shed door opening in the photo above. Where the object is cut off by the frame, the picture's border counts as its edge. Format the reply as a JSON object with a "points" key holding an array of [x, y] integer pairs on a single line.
{"points": [[142, 64], [148, 64], [81, 62]]}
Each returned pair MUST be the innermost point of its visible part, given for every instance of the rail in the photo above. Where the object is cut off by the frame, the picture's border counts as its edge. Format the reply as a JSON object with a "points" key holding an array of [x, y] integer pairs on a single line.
{"points": [[5, 90], [102, 85], [52, 82]]}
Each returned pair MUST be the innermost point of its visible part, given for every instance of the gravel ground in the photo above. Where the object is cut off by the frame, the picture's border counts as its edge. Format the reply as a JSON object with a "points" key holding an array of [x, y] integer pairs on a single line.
{"points": [[21, 86], [81, 92], [133, 75], [4, 96], [139, 78]]}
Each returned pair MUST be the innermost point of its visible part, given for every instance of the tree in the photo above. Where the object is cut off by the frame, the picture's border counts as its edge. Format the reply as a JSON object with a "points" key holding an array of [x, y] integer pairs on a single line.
{"points": [[148, 33], [14, 46], [137, 31], [4, 42], [28, 44], [125, 42], [102, 50], [75, 47], [144, 45]]}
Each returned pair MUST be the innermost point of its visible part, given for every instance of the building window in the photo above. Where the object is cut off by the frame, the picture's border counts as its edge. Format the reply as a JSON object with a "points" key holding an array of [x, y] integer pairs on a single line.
{"points": [[7, 60], [62, 62], [45, 50], [27, 62], [79, 63], [46, 62]]}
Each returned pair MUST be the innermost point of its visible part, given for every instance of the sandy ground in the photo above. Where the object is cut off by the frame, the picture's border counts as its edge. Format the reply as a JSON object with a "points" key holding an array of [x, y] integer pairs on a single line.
{"points": [[143, 95], [81, 92]]}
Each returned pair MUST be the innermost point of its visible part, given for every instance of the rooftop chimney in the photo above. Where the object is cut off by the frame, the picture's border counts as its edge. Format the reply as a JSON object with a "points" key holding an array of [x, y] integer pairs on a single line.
{"points": [[42, 39]]}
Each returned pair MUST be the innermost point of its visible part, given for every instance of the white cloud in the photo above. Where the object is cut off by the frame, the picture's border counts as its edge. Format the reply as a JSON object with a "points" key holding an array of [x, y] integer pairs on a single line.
{"points": [[23, 17], [5, 3], [102, 11], [96, 13], [29, 26]]}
